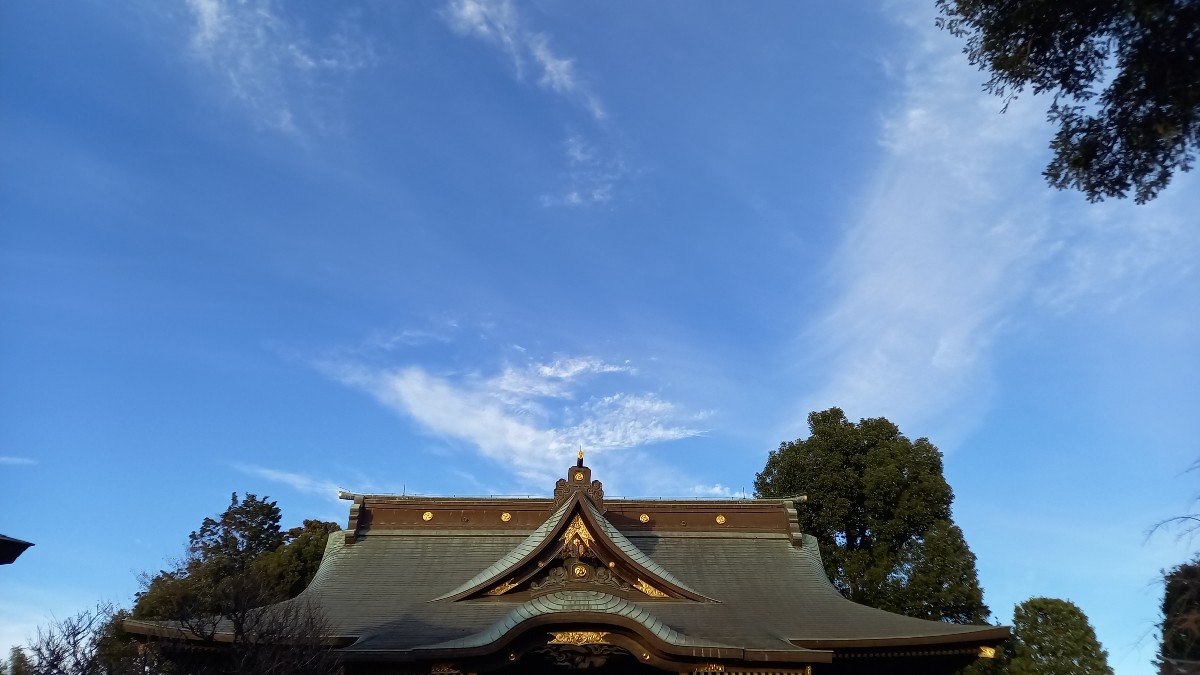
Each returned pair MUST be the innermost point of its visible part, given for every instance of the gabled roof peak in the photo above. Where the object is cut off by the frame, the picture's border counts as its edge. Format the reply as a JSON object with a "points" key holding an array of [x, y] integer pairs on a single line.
{"points": [[576, 547]]}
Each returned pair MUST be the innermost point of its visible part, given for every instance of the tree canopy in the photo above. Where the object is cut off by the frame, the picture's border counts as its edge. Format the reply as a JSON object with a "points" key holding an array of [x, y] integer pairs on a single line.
{"points": [[1181, 614], [880, 508], [1122, 74], [240, 560], [1054, 637], [236, 565]]}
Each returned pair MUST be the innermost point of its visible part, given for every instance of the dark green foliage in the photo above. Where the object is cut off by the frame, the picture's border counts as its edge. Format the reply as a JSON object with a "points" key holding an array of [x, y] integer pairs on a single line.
{"points": [[1124, 76], [1181, 614], [1053, 637], [290, 567], [880, 508], [243, 532], [238, 561], [237, 565], [18, 662]]}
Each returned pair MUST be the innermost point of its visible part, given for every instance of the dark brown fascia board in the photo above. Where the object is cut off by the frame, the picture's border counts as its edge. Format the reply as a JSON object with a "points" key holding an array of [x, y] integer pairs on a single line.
{"points": [[624, 501], [409, 500], [986, 634]]}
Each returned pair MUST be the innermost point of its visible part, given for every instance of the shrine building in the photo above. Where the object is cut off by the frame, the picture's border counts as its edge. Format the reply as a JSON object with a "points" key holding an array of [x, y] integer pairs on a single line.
{"points": [[578, 582]]}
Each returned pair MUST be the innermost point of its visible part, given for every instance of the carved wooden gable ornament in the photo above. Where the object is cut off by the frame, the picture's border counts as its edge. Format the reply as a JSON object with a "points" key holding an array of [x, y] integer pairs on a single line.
{"points": [[576, 549]]}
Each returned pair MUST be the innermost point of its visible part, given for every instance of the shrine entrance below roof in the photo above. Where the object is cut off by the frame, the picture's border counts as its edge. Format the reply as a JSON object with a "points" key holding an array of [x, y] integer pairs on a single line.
{"points": [[590, 659]]}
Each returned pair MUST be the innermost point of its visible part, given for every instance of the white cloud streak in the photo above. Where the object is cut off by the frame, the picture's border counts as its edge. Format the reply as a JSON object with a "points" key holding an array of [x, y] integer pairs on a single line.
{"points": [[591, 176], [528, 418], [16, 461], [497, 22], [957, 235], [269, 63], [296, 481]]}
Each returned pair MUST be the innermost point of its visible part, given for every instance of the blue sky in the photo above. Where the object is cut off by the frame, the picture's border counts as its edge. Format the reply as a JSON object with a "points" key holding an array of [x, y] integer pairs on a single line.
{"points": [[288, 247]]}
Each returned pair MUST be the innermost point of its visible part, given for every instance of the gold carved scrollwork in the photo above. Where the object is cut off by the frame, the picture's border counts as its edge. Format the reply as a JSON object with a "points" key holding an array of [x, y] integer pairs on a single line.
{"points": [[448, 670], [579, 637], [711, 668], [987, 652], [577, 535], [648, 589], [503, 588]]}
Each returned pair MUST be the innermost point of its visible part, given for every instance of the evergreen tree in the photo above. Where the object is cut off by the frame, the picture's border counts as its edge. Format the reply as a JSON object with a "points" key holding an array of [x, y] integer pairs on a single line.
{"points": [[18, 662], [290, 567], [1122, 75], [1181, 615], [1053, 637], [237, 564], [880, 508], [236, 561]]}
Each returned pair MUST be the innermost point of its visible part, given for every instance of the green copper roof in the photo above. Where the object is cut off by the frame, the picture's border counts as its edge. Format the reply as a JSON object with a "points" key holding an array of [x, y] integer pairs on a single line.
{"points": [[588, 602], [513, 557], [627, 547], [772, 596]]}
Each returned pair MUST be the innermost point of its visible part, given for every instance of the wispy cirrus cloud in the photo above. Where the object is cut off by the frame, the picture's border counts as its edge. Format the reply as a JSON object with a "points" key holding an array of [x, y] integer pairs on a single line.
{"points": [[297, 481], [6, 460], [270, 63], [528, 417], [592, 173], [498, 22], [591, 177], [958, 238]]}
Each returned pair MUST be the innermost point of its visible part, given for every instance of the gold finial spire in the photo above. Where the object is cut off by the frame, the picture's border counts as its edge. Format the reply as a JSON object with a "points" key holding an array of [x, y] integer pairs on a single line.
{"points": [[580, 457]]}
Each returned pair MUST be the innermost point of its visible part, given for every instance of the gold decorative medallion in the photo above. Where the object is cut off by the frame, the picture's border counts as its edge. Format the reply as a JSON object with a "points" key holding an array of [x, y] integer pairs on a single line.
{"points": [[720, 519], [612, 564], [649, 590], [506, 516], [579, 638], [646, 655], [427, 516], [987, 652], [578, 475], [645, 517]]}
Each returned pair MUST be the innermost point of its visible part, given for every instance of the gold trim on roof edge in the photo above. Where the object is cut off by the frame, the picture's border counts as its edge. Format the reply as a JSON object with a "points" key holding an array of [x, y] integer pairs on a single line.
{"points": [[648, 589]]}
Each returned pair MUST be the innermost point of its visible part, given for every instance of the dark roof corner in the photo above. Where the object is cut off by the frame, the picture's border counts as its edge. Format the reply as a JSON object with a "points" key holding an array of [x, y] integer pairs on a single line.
{"points": [[11, 548]]}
